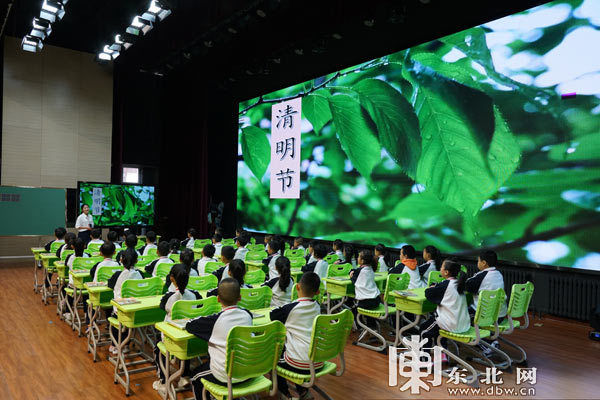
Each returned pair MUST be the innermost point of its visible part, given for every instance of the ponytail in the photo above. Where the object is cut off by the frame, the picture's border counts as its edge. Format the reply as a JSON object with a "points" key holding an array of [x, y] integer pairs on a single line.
{"points": [[368, 258], [454, 271], [187, 258], [237, 270], [387, 257], [129, 258], [436, 256], [181, 275], [460, 282], [283, 267]]}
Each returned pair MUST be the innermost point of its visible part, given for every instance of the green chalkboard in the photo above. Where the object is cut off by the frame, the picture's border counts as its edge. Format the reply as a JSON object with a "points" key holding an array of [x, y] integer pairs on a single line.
{"points": [[31, 211]]}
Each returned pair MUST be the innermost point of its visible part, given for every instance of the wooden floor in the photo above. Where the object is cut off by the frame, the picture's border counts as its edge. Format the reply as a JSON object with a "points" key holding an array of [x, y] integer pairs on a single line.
{"points": [[42, 358]]}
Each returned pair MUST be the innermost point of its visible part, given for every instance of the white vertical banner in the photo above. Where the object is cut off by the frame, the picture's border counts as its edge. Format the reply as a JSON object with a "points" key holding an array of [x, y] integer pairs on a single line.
{"points": [[286, 121], [97, 201]]}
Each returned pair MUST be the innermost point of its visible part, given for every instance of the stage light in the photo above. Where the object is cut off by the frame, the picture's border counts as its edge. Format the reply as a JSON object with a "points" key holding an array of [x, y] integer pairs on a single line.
{"points": [[139, 25], [123, 42], [104, 56], [159, 10], [31, 44], [41, 28], [52, 10], [261, 13]]}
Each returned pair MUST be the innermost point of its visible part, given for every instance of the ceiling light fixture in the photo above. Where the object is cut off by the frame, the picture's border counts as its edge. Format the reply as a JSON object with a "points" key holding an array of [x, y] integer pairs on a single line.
{"points": [[32, 44]]}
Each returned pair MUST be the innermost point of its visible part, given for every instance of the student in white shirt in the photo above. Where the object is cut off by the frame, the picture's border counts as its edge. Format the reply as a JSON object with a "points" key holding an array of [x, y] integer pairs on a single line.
{"points": [[319, 266], [408, 258], [78, 246], [299, 244], [383, 257], [162, 251], [241, 242], [128, 259], [488, 278], [208, 252], [107, 250], [309, 252], [150, 243], [338, 246], [192, 234], [365, 289], [95, 234], [273, 249], [68, 245], [236, 269], [59, 237], [433, 262], [267, 239], [187, 259], [112, 237], [174, 245], [348, 256], [227, 255], [282, 285], [451, 313], [216, 240], [84, 224]]}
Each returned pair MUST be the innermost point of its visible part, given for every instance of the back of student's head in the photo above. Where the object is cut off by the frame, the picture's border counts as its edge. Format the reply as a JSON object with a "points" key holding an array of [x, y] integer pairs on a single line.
{"points": [[489, 256], [268, 238], [229, 291], [174, 245], [319, 251], [187, 257], [338, 244], [282, 265], [112, 236], [243, 239], [192, 232], [129, 258], [311, 244], [151, 236], [96, 233], [107, 249], [131, 241], [408, 251], [299, 241], [208, 250], [310, 283], [60, 232], [275, 245], [382, 251], [70, 239], [181, 276], [435, 255], [78, 246], [228, 252], [454, 271], [367, 258], [163, 248], [237, 269], [217, 238]]}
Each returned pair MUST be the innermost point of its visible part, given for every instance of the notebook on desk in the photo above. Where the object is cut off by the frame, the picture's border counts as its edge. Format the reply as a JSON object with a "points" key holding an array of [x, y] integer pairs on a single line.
{"points": [[179, 323], [81, 271], [339, 278], [96, 284], [405, 293], [126, 301], [257, 315]]}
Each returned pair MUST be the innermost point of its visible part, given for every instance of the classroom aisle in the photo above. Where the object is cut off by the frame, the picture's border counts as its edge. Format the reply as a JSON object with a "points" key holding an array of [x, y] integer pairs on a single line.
{"points": [[42, 358]]}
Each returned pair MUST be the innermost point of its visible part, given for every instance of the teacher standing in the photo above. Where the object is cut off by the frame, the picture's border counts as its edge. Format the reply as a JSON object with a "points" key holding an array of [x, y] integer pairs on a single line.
{"points": [[84, 224]]}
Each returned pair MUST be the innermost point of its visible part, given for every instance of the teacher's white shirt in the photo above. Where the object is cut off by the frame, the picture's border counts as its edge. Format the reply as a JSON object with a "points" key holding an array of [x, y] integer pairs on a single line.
{"points": [[84, 221]]}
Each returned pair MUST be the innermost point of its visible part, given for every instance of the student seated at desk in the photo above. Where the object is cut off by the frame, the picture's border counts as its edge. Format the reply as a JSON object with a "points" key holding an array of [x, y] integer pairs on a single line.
{"points": [[451, 313], [338, 246], [319, 266], [299, 244], [96, 233], [241, 242], [174, 246], [192, 234], [310, 251], [227, 255], [349, 256], [208, 252], [366, 292], [273, 249], [179, 279], [215, 329], [237, 271], [130, 243], [150, 243], [129, 258], [107, 250], [69, 241], [298, 318], [112, 237], [488, 278], [282, 285], [187, 260], [433, 261], [216, 241], [78, 245], [59, 237], [408, 265], [162, 251], [383, 257], [266, 241]]}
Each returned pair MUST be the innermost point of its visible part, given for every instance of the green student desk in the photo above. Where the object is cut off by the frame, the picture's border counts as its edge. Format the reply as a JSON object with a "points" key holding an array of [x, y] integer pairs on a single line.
{"points": [[296, 274], [417, 305], [254, 265], [48, 260], [37, 262], [132, 316], [100, 297], [343, 286]]}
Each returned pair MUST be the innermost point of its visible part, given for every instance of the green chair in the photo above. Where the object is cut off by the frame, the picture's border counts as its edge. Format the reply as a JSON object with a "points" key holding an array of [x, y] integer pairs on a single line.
{"points": [[142, 287], [141, 243], [297, 262], [228, 242], [518, 305], [251, 352], [203, 282], [94, 247], [144, 260], [152, 252], [55, 246], [162, 269], [65, 253], [255, 277], [106, 272], [488, 308], [255, 247], [212, 266], [255, 298], [200, 243], [331, 258], [394, 282], [328, 339], [86, 262], [256, 255], [252, 240], [289, 253], [434, 277], [175, 257], [339, 270]]}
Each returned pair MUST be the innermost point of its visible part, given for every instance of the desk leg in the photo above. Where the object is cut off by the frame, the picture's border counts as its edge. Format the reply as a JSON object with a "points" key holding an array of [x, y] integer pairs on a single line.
{"points": [[45, 293], [60, 298], [337, 306], [406, 327], [93, 328], [35, 274], [77, 293], [163, 363], [121, 360], [171, 393]]}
